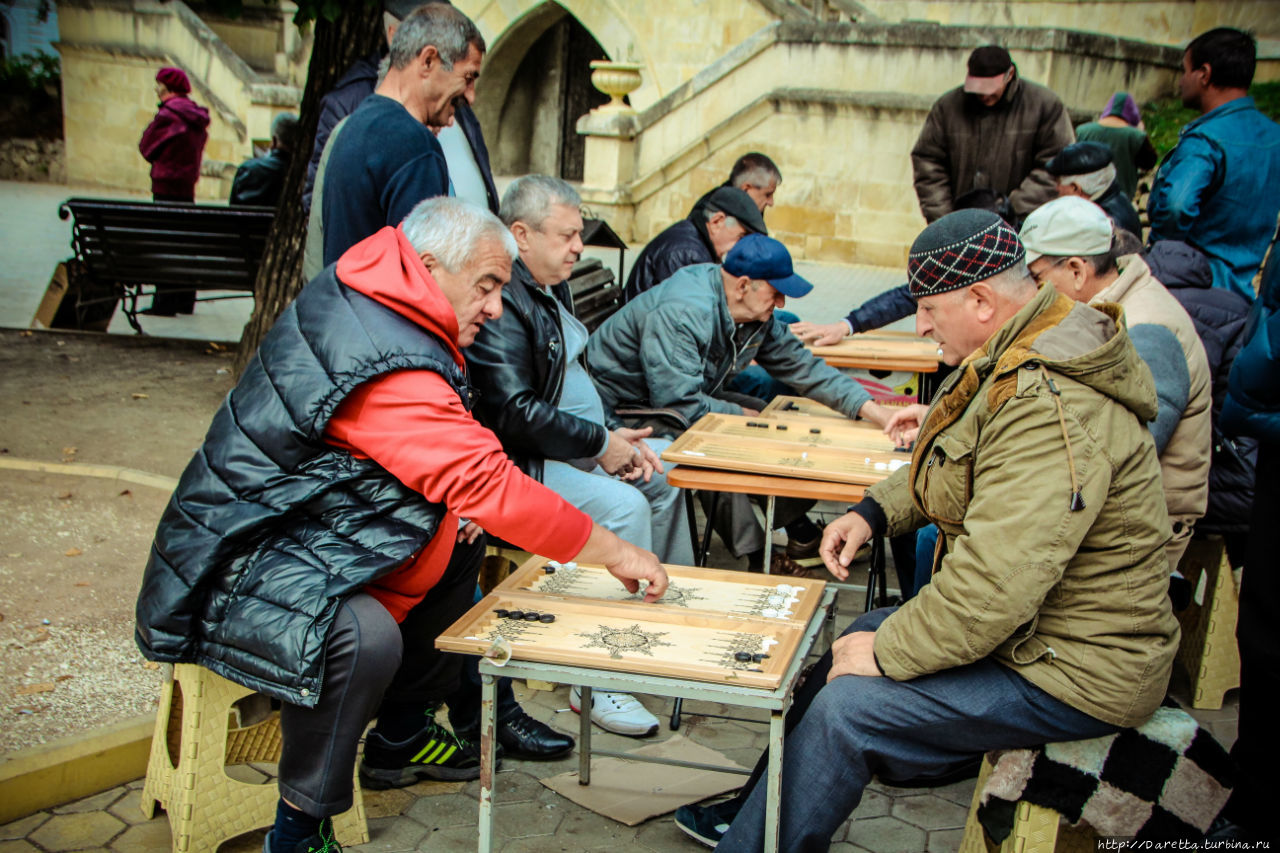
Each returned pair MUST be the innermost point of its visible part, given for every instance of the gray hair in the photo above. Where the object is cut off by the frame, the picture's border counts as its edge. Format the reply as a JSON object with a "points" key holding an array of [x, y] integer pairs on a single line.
{"points": [[530, 198], [754, 169], [450, 229], [1013, 281], [284, 129], [729, 221], [448, 30]]}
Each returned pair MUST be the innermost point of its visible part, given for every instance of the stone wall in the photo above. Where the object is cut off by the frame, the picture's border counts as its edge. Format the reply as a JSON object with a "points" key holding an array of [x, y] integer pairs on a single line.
{"points": [[841, 129], [111, 50], [40, 160], [1161, 21]]}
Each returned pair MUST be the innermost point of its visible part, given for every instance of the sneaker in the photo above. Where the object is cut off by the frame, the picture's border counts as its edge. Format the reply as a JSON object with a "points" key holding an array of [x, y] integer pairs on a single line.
{"points": [[322, 842], [708, 824], [619, 713], [433, 753]]}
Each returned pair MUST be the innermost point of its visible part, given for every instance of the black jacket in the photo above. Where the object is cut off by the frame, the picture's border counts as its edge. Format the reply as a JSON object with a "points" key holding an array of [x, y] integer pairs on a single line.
{"points": [[679, 246], [260, 181], [349, 92], [1219, 316], [271, 527], [1120, 209], [517, 365]]}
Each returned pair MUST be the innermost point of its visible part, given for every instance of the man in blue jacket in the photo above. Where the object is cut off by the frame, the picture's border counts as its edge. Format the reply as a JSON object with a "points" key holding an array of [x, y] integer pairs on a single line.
{"points": [[1219, 190]]}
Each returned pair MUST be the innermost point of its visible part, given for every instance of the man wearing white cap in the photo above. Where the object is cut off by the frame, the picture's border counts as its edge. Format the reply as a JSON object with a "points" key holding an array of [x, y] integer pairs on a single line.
{"points": [[991, 133], [1069, 244]]}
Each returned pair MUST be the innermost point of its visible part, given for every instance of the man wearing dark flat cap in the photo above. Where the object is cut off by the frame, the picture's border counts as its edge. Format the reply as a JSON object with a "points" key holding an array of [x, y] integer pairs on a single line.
{"points": [[993, 133], [714, 225], [1047, 617], [1087, 170]]}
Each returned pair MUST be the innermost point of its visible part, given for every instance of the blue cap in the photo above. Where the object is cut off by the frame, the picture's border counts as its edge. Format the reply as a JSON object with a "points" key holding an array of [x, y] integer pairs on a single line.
{"points": [[759, 257]]}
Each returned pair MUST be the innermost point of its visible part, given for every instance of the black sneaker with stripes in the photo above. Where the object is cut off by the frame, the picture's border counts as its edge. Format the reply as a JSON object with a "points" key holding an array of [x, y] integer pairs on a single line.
{"points": [[433, 753]]}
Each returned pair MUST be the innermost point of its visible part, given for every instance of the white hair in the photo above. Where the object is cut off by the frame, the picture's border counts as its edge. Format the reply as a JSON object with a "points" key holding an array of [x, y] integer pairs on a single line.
{"points": [[1093, 184], [1014, 281], [530, 198], [450, 229]]}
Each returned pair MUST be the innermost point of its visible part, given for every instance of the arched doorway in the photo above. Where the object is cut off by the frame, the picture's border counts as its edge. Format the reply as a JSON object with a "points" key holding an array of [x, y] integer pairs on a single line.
{"points": [[536, 85]]}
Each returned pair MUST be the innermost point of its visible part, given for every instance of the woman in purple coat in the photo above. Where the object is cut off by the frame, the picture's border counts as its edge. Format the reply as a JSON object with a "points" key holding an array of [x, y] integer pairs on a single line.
{"points": [[174, 141], [173, 144]]}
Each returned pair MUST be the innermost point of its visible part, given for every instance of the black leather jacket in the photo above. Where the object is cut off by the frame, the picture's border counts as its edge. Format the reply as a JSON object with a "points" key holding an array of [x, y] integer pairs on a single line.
{"points": [[517, 366]]}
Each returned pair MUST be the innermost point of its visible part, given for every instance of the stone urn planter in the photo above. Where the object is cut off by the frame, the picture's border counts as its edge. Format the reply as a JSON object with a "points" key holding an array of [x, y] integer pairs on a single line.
{"points": [[615, 79]]}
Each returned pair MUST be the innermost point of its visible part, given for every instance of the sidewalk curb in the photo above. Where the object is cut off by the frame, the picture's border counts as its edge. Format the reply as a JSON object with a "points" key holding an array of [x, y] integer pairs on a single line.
{"points": [[74, 767]]}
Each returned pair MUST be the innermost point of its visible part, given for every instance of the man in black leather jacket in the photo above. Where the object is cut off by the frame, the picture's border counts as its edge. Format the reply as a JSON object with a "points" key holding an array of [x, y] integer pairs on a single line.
{"points": [[536, 394]]}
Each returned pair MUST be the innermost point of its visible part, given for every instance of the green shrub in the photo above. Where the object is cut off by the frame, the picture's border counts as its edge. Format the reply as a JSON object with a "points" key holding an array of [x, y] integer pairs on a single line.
{"points": [[29, 73], [1165, 117]]}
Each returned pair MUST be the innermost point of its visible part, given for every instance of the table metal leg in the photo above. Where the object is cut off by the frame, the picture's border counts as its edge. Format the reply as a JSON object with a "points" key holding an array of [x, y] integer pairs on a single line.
{"points": [[773, 810], [692, 516], [712, 506], [769, 506], [677, 708], [584, 736], [875, 573], [488, 739]]}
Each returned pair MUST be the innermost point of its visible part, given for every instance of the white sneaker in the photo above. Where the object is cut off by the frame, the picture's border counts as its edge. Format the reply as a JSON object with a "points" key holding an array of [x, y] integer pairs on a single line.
{"points": [[619, 713]]}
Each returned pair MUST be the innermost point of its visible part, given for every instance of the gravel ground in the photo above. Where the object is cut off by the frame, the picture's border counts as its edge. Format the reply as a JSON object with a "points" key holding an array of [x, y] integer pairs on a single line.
{"points": [[72, 548]]}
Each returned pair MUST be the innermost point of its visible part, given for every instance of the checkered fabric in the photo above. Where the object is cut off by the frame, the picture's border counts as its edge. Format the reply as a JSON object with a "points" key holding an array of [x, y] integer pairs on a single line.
{"points": [[960, 249], [1167, 779]]}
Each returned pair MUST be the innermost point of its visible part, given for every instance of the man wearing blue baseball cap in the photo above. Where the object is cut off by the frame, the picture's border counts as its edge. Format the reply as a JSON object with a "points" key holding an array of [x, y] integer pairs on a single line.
{"points": [[676, 346]]}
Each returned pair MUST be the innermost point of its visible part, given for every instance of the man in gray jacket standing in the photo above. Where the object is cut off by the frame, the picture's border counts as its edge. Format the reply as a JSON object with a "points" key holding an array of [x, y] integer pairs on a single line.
{"points": [[678, 345]]}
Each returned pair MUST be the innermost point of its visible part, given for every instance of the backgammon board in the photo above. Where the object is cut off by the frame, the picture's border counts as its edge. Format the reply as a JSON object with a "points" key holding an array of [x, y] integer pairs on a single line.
{"points": [[883, 349], [840, 451], [712, 625]]}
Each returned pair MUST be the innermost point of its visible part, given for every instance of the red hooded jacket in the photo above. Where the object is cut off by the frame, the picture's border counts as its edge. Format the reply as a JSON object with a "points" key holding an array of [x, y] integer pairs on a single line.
{"points": [[173, 144], [414, 425]]}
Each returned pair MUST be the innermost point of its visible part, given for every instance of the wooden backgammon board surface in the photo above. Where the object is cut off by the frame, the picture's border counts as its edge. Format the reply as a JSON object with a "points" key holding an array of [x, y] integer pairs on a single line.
{"points": [[726, 627], [811, 448], [783, 406], [895, 350]]}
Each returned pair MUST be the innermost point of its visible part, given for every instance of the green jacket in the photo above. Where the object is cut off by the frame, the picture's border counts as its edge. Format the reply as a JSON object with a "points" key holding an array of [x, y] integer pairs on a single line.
{"points": [[1036, 464]]}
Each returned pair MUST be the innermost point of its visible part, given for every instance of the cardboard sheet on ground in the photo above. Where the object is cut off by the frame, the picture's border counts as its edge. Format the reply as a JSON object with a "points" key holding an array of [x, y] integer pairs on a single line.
{"points": [[633, 791]]}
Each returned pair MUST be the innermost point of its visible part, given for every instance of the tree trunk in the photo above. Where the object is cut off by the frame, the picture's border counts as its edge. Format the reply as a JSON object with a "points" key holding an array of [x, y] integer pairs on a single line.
{"points": [[355, 33]]}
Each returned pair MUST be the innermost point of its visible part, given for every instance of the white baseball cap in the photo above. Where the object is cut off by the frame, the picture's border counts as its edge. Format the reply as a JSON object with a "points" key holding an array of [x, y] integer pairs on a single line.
{"points": [[1066, 227]]}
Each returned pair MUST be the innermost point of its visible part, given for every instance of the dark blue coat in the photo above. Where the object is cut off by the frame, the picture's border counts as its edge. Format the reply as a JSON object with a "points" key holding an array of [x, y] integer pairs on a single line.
{"points": [[1252, 406], [1219, 316], [680, 245], [271, 527]]}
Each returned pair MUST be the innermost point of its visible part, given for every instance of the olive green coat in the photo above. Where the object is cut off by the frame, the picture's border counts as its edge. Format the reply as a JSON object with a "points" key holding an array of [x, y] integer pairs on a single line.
{"points": [[1036, 464]]}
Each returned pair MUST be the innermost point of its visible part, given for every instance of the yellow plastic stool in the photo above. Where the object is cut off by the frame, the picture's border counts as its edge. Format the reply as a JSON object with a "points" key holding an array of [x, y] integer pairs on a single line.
{"points": [[1208, 650], [196, 737], [1035, 829]]}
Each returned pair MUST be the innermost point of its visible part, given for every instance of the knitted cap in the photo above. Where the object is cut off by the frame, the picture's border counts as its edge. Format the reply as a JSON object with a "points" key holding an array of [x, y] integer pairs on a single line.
{"points": [[174, 79], [960, 249]]}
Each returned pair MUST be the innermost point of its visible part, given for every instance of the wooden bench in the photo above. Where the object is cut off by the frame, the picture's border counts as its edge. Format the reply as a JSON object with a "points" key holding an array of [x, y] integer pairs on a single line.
{"points": [[597, 293], [128, 249]]}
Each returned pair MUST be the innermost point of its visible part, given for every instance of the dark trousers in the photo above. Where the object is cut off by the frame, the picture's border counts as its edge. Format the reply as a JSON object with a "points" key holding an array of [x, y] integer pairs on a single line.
{"points": [[1257, 748], [373, 667], [167, 303], [840, 734]]}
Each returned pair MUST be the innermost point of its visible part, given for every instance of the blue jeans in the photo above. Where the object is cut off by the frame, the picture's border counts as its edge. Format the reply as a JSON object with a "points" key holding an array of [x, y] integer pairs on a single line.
{"points": [[926, 542], [842, 733]]}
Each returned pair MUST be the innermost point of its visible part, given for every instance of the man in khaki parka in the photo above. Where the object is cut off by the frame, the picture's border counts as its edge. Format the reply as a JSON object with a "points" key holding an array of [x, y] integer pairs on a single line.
{"points": [[1047, 618]]}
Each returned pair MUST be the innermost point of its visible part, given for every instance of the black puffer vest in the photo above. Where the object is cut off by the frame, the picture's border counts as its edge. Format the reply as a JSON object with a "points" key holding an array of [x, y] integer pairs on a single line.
{"points": [[271, 527]]}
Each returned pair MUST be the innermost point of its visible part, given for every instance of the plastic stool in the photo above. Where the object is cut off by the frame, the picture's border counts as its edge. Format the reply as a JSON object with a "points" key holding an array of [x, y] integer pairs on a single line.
{"points": [[1208, 650], [199, 725]]}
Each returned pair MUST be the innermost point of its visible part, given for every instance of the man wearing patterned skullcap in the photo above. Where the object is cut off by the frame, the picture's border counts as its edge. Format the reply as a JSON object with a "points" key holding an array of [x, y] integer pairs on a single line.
{"points": [[1047, 617]]}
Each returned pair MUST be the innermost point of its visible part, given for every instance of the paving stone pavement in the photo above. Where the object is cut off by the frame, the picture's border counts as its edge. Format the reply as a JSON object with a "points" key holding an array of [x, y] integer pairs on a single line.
{"points": [[531, 818]]}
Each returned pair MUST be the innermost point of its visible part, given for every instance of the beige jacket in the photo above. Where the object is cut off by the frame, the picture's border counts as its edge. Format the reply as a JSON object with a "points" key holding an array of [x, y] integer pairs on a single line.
{"points": [[1036, 464], [1184, 464]]}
